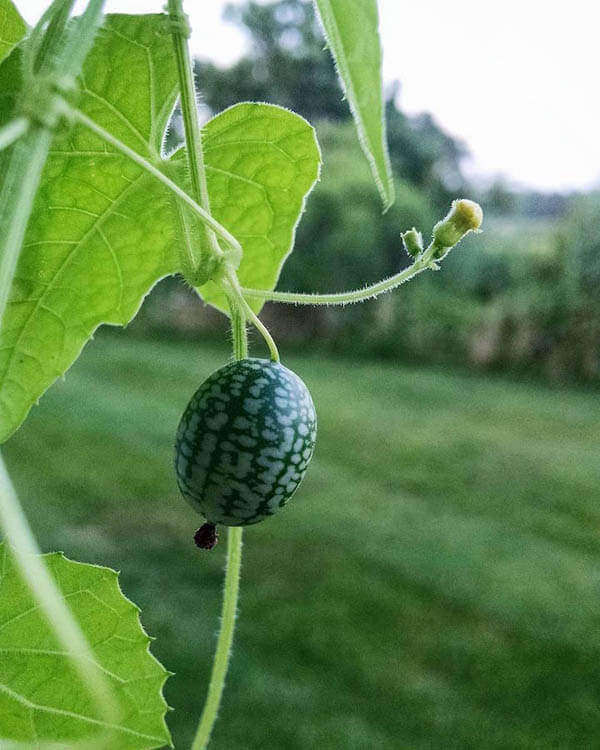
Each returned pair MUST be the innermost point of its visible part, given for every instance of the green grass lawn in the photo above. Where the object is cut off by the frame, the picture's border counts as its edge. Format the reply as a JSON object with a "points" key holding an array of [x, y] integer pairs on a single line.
{"points": [[435, 583]]}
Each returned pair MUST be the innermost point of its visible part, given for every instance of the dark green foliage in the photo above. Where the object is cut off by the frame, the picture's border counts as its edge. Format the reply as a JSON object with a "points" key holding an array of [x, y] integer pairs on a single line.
{"points": [[579, 246], [244, 442]]}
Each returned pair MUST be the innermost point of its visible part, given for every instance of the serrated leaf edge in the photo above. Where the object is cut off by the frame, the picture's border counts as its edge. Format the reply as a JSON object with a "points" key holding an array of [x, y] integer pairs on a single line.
{"points": [[4, 546]]}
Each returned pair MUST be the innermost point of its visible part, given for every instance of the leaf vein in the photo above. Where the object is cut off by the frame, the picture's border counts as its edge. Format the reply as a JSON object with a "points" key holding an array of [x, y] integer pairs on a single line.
{"points": [[239, 177], [73, 715], [134, 130], [109, 210], [51, 652], [117, 266], [245, 142]]}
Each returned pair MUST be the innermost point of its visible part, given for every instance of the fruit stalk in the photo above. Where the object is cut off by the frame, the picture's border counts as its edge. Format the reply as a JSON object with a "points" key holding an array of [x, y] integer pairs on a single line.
{"points": [[231, 587], [225, 640]]}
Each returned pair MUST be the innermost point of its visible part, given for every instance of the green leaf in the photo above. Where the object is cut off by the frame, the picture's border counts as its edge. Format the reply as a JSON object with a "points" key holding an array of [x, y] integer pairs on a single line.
{"points": [[10, 86], [12, 28], [261, 163], [41, 696], [351, 30], [102, 231]]}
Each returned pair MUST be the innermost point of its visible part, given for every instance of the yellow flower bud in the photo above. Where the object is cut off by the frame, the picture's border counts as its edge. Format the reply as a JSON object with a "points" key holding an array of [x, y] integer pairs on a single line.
{"points": [[464, 216]]}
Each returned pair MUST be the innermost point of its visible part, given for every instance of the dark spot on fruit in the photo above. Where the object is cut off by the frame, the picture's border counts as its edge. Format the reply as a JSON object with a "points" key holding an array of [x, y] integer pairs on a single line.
{"points": [[206, 537]]}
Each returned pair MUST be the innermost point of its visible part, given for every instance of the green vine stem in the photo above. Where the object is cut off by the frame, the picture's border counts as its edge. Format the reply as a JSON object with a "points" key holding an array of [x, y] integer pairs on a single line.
{"points": [[193, 136], [51, 39], [71, 55], [12, 131], [225, 640], [236, 291], [19, 186], [239, 335], [464, 216], [346, 298], [262, 329], [33, 57], [232, 577]]}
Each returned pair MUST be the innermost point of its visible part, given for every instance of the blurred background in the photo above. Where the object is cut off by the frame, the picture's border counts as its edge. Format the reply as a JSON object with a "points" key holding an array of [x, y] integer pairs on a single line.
{"points": [[436, 581]]}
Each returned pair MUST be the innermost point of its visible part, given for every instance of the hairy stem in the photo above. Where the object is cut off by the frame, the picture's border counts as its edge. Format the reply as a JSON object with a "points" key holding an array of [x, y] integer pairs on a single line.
{"points": [[80, 40], [54, 34], [239, 334], [189, 111], [223, 651], [232, 578], [157, 174], [423, 262], [33, 56], [236, 291]]}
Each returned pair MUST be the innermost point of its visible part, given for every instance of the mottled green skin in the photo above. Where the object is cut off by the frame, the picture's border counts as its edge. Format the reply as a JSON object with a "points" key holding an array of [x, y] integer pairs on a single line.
{"points": [[244, 442]]}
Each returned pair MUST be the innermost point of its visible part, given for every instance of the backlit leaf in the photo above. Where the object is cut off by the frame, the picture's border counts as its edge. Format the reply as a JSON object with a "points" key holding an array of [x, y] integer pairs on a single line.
{"points": [[352, 32], [12, 28], [41, 697], [102, 232], [261, 162]]}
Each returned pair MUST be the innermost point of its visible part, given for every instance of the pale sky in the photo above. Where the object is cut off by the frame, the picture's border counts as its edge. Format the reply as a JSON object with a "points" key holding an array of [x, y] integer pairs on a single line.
{"points": [[516, 80]]}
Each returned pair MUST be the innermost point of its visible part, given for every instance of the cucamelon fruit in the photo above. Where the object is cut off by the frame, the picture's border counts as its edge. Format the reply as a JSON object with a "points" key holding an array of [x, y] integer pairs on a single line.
{"points": [[243, 443]]}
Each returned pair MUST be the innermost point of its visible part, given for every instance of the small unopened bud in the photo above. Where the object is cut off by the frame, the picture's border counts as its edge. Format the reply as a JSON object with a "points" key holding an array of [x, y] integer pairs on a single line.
{"points": [[465, 216], [413, 242]]}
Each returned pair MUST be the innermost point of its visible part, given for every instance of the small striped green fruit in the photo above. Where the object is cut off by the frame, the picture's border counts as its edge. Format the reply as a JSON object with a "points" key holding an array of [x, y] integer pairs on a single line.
{"points": [[244, 442]]}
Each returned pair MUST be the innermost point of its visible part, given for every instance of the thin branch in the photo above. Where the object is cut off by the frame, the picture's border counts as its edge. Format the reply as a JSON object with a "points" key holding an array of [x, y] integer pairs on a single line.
{"points": [[346, 298]]}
